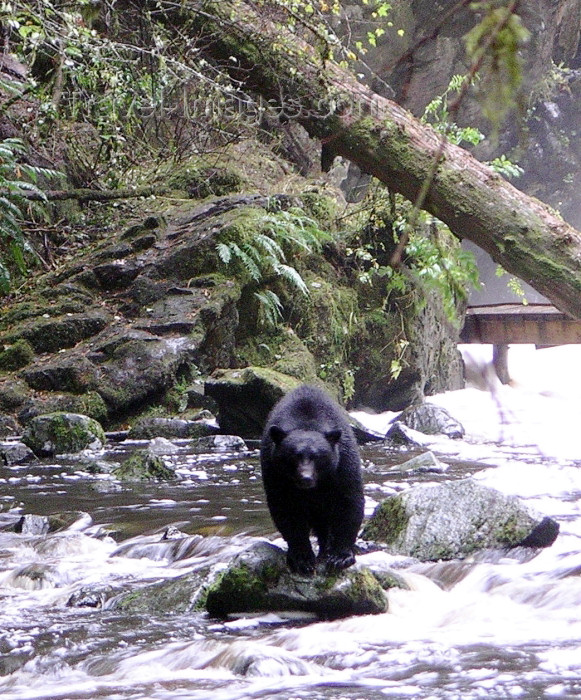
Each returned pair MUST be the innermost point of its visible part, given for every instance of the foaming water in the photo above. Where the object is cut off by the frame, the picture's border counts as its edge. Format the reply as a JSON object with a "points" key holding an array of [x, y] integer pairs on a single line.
{"points": [[500, 624]]}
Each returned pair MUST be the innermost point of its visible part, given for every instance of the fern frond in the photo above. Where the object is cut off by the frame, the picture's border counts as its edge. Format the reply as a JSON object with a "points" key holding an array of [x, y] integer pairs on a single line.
{"points": [[291, 275], [224, 252], [270, 308]]}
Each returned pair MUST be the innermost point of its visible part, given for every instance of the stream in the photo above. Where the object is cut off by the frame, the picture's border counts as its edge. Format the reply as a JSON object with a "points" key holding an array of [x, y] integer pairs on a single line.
{"points": [[500, 625]]}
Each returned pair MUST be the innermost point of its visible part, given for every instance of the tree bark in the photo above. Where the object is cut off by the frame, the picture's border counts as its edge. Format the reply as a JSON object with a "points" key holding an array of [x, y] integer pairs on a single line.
{"points": [[522, 234]]}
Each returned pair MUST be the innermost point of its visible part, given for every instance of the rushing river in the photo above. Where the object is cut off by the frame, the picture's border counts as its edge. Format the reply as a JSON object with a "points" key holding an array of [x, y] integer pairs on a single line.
{"points": [[500, 626]]}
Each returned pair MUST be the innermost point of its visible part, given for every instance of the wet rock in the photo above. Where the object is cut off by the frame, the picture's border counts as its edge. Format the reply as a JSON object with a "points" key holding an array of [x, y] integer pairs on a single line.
{"points": [[432, 420], [63, 433], [157, 426], [400, 435], [162, 446], [245, 397], [427, 462], [34, 577], [91, 596], [455, 519], [15, 453], [30, 524], [258, 580], [176, 596], [144, 465], [220, 443]]}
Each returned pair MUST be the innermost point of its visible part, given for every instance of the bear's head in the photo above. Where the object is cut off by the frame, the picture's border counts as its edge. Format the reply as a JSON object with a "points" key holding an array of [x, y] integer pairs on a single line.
{"points": [[306, 456]]}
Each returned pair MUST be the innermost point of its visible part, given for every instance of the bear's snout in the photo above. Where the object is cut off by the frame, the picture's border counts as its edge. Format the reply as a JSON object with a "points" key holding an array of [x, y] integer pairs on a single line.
{"points": [[306, 476]]}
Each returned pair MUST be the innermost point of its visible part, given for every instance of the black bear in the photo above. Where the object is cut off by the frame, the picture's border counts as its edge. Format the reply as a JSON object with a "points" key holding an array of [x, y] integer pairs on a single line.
{"points": [[312, 479]]}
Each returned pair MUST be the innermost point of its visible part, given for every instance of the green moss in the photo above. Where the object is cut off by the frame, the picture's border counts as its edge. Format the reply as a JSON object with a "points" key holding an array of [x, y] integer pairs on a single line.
{"points": [[205, 181], [16, 356], [388, 521], [321, 207], [238, 588], [511, 532], [144, 466]]}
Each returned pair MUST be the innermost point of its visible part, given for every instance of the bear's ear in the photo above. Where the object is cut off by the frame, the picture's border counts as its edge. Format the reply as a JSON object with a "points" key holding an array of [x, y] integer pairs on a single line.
{"points": [[277, 434], [333, 436]]}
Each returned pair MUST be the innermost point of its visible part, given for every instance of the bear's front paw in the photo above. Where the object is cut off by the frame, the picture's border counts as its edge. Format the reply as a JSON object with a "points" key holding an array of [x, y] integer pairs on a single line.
{"points": [[301, 563], [339, 561]]}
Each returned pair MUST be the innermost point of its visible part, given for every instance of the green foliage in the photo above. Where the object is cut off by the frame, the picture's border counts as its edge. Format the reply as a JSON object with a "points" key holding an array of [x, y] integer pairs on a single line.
{"points": [[437, 113], [446, 269], [494, 44], [262, 256], [513, 284], [16, 179]]}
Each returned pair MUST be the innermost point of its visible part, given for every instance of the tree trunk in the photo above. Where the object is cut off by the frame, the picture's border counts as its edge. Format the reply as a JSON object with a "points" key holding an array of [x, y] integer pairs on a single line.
{"points": [[521, 233]]}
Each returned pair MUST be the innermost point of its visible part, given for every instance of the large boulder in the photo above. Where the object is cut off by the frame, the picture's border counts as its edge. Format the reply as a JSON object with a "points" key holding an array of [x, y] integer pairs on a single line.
{"points": [[432, 420], [59, 433], [258, 580], [245, 397], [456, 519]]}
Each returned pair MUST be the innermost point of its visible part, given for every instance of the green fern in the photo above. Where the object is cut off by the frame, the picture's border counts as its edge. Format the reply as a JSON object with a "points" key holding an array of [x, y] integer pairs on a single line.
{"points": [[16, 179], [280, 234], [270, 308]]}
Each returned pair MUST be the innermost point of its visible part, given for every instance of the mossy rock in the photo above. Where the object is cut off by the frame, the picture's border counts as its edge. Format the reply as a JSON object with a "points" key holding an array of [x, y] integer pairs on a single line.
{"points": [[16, 356], [246, 396], [258, 580], [455, 519], [205, 181], [321, 207], [144, 465], [63, 433]]}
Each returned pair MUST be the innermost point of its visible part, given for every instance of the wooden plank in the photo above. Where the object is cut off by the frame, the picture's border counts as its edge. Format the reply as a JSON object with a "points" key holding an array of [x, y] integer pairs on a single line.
{"points": [[515, 323]]}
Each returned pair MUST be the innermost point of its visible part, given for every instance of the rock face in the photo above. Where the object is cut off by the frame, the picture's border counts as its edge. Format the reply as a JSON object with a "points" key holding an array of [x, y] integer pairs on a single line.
{"points": [[258, 580], [156, 306], [59, 433], [454, 520]]}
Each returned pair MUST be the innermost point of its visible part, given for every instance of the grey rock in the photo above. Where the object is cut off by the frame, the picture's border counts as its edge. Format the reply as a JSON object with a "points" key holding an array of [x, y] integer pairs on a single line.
{"points": [[15, 453], [258, 580], [456, 519], [220, 443], [432, 420], [59, 433]]}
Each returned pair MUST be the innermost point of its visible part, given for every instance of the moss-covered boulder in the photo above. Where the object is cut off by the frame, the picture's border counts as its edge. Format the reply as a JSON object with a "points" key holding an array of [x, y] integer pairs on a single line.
{"points": [[456, 519], [258, 580], [245, 397], [60, 433], [144, 465]]}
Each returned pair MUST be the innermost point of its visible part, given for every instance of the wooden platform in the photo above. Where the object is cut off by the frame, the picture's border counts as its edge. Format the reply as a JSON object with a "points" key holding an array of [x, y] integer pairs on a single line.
{"points": [[504, 324]]}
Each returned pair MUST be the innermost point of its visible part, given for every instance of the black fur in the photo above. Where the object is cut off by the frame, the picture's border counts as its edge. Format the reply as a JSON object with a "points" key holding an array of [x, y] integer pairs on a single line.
{"points": [[312, 478]]}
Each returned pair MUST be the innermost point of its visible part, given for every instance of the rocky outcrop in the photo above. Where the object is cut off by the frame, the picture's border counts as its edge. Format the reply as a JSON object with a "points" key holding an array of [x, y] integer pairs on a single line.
{"points": [[136, 319], [456, 519]]}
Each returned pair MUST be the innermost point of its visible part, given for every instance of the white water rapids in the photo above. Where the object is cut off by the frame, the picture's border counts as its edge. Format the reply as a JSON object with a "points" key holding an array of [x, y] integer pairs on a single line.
{"points": [[503, 625]]}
